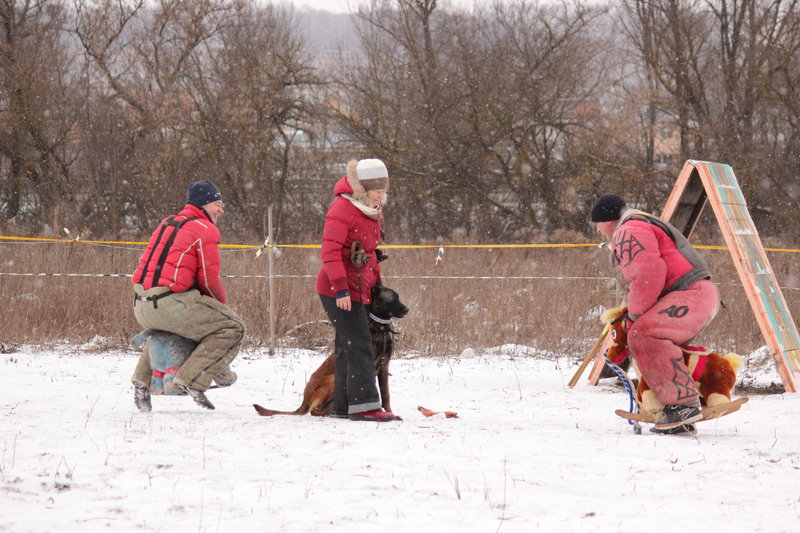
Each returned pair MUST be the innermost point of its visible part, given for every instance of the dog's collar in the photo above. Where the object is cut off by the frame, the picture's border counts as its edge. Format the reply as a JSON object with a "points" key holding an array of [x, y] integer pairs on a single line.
{"points": [[380, 320]]}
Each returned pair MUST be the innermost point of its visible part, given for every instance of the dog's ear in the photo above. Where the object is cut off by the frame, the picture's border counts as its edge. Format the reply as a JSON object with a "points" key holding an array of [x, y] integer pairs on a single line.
{"points": [[376, 292]]}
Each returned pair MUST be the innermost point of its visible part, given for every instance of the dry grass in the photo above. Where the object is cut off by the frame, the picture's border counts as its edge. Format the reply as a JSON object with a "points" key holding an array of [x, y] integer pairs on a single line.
{"points": [[447, 315]]}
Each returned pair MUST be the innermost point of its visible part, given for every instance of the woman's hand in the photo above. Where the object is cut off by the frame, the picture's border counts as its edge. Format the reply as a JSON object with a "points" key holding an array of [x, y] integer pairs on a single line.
{"points": [[344, 303]]}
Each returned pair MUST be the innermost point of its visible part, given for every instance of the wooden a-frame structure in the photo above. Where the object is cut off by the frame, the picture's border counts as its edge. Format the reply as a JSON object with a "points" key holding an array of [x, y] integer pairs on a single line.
{"points": [[701, 183]]}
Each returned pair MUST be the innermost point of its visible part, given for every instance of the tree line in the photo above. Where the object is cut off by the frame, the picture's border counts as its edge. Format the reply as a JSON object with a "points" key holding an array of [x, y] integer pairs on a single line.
{"points": [[498, 123]]}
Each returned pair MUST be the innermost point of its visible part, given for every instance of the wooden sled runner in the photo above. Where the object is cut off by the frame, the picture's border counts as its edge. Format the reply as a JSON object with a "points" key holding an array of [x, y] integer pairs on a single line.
{"points": [[709, 413]]}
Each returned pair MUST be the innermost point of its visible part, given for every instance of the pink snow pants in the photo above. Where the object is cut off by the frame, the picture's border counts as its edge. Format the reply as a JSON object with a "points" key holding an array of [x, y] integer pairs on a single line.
{"points": [[656, 336]]}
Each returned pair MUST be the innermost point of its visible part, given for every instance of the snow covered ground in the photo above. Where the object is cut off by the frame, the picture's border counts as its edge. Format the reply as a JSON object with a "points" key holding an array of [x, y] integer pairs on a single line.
{"points": [[526, 453]]}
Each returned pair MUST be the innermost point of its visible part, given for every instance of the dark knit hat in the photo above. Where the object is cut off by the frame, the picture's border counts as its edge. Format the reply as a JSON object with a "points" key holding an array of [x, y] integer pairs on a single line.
{"points": [[202, 192], [607, 208]]}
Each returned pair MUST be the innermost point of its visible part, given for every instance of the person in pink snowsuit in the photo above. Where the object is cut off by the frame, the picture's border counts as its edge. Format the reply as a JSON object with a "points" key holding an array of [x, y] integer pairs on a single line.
{"points": [[670, 299]]}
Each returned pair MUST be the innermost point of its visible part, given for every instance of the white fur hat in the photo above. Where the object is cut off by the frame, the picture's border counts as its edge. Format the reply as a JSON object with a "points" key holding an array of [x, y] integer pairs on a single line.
{"points": [[372, 174]]}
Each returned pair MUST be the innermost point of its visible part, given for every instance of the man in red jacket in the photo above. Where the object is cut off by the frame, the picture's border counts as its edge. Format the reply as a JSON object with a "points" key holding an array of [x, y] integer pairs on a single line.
{"points": [[178, 289], [670, 299]]}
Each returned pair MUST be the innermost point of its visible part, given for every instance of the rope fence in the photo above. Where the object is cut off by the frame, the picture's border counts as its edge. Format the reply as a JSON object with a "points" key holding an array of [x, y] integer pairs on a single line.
{"points": [[311, 276], [10, 239], [267, 245], [302, 276], [272, 251]]}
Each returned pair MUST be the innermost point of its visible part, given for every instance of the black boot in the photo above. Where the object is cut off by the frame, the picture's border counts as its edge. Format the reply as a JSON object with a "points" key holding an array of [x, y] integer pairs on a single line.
{"points": [[684, 430], [198, 396], [141, 397], [676, 415]]}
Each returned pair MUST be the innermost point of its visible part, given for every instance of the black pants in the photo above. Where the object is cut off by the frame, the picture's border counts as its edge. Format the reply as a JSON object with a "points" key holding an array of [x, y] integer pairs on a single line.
{"points": [[354, 387]]}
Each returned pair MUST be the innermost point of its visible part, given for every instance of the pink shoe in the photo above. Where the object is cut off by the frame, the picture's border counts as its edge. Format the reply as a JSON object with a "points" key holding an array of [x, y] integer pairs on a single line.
{"points": [[376, 415]]}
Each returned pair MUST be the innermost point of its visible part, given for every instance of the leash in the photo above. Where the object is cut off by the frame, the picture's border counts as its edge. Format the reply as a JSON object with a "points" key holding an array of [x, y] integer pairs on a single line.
{"points": [[626, 381], [359, 257]]}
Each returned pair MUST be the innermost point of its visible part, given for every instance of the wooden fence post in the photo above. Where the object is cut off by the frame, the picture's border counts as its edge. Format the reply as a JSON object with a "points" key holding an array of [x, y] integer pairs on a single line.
{"points": [[271, 263]]}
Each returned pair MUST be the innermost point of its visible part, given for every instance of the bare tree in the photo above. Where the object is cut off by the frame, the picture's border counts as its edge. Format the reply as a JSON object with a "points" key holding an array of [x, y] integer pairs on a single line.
{"points": [[135, 61], [472, 110], [546, 91], [192, 89], [781, 125], [719, 63], [36, 112], [672, 38], [395, 106], [253, 93]]}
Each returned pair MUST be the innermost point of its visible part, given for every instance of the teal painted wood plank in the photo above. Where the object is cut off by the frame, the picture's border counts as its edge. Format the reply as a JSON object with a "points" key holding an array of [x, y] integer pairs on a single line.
{"points": [[744, 233]]}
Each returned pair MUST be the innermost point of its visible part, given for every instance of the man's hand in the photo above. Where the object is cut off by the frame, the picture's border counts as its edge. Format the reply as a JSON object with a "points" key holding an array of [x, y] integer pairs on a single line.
{"points": [[620, 314]]}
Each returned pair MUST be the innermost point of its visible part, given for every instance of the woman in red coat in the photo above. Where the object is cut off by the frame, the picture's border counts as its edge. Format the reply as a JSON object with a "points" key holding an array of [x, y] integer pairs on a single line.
{"points": [[350, 269]]}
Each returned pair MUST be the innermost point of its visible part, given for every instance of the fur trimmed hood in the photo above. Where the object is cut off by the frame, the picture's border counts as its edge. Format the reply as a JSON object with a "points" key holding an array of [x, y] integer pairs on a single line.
{"points": [[359, 193]]}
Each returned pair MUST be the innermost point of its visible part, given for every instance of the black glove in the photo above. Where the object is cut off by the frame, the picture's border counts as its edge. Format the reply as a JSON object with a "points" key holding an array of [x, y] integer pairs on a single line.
{"points": [[624, 317], [628, 320], [381, 255]]}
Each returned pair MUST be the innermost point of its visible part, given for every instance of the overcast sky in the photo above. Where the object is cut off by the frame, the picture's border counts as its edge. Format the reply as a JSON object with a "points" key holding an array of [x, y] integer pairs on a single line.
{"points": [[347, 6], [335, 6]]}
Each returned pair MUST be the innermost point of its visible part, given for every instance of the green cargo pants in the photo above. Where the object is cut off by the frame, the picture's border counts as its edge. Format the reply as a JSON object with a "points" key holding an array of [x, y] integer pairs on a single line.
{"points": [[217, 329]]}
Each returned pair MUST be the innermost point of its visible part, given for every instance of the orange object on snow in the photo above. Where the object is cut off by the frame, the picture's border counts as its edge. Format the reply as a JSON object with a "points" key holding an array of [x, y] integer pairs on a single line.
{"points": [[428, 412]]}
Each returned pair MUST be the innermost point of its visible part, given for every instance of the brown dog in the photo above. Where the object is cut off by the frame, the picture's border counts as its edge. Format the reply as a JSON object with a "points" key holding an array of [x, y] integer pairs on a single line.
{"points": [[714, 375], [318, 394]]}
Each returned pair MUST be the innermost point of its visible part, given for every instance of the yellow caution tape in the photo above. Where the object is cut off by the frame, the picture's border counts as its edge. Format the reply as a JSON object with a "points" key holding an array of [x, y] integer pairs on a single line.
{"points": [[386, 246]]}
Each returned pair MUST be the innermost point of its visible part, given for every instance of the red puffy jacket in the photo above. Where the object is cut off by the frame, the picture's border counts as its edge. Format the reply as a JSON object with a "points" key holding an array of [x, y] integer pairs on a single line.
{"points": [[193, 257], [344, 224]]}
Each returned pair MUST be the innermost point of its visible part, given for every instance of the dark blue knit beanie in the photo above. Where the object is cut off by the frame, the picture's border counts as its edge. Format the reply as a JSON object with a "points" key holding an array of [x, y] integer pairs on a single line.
{"points": [[202, 192], [607, 208]]}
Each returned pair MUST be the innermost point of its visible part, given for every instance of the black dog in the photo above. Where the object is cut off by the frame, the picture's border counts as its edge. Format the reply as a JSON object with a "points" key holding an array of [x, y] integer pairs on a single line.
{"points": [[318, 393], [385, 305]]}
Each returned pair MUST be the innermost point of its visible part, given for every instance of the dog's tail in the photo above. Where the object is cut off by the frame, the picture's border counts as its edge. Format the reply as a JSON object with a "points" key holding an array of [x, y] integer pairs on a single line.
{"points": [[263, 411]]}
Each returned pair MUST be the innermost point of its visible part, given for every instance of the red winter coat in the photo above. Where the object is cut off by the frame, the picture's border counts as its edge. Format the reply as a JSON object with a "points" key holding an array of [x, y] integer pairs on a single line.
{"points": [[344, 224], [193, 257]]}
